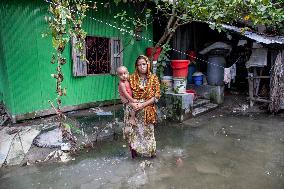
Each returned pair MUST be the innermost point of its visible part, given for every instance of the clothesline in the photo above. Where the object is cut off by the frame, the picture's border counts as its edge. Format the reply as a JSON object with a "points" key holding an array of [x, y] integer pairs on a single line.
{"points": [[142, 37]]}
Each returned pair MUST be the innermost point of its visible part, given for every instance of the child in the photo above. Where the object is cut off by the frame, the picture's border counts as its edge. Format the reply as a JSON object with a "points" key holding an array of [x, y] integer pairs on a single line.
{"points": [[125, 91]]}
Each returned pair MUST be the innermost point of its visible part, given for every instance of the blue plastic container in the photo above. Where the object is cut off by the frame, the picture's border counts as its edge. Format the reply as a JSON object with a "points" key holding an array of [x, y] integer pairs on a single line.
{"points": [[198, 80]]}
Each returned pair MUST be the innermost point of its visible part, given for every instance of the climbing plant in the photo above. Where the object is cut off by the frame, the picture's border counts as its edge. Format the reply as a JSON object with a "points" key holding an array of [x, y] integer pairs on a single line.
{"points": [[139, 20], [163, 60], [65, 21]]}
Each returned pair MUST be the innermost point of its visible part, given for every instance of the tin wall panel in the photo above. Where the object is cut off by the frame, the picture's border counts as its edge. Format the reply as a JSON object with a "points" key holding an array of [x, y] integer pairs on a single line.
{"points": [[28, 55]]}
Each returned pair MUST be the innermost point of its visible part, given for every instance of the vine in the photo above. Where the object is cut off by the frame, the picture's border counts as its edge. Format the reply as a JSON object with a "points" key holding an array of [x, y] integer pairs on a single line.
{"points": [[163, 60], [65, 21]]}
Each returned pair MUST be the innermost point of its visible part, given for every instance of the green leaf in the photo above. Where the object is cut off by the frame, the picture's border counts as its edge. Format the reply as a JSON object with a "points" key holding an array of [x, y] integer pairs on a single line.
{"points": [[216, 17], [55, 43], [211, 26], [132, 41], [66, 126]]}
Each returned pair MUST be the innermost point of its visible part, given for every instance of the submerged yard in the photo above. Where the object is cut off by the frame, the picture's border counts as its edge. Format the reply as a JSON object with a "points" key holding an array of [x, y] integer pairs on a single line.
{"points": [[211, 152]]}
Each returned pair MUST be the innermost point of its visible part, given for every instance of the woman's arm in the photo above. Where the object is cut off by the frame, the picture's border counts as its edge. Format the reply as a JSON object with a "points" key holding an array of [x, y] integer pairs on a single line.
{"points": [[148, 102], [141, 105]]}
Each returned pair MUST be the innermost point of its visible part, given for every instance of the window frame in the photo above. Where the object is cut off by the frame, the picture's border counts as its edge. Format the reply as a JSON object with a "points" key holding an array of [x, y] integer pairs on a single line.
{"points": [[115, 53]]}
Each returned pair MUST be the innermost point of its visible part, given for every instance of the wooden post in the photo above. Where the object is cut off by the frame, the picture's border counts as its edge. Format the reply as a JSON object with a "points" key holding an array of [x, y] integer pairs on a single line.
{"points": [[251, 88]]}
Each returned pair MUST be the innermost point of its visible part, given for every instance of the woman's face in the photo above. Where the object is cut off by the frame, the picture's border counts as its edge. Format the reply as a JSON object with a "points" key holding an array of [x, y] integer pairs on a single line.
{"points": [[142, 66]]}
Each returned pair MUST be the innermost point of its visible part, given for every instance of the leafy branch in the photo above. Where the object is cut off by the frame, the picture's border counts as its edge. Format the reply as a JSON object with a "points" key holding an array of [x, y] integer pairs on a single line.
{"points": [[65, 21]]}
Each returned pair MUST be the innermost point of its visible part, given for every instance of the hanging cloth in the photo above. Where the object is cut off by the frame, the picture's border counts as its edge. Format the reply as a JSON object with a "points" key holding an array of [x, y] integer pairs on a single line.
{"points": [[230, 74], [233, 70], [227, 76]]}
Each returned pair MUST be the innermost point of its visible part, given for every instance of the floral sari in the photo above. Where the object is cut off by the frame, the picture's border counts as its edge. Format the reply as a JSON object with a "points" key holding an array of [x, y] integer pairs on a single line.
{"points": [[141, 136]]}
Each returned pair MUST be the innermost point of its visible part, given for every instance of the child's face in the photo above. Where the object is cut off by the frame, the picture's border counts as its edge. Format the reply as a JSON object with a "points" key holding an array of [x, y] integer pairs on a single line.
{"points": [[123, 74]]}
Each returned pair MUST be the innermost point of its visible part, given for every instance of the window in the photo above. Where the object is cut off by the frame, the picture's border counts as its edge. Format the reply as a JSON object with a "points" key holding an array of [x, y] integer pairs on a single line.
{"points": [[103, 56]]}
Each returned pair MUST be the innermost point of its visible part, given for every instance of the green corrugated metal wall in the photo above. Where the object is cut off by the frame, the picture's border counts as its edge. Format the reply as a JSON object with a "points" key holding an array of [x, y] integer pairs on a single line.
{"points": [[25, 58], [1, 66], [5, 89]]}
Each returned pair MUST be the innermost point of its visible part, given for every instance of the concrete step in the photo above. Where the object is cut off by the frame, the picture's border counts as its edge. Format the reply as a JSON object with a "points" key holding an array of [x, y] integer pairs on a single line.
{"points": [[200, 102], [211, 105], [203, 109]]}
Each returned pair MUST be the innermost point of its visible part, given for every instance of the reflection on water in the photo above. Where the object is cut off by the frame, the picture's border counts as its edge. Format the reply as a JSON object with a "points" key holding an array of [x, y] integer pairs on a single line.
{"points": [[226, 152]]}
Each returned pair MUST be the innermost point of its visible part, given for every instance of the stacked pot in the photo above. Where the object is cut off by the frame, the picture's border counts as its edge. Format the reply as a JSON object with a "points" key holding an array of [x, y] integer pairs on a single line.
{"points": [[180, 72]]}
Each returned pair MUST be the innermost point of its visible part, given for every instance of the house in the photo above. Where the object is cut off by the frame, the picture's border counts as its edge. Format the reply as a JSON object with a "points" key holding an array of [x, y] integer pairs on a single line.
{"points": [[26, 84]]}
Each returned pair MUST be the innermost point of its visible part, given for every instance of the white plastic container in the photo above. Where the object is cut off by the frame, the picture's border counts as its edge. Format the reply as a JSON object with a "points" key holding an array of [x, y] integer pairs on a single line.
{"points": [[179, 85], [154, 67], [168, 82]]}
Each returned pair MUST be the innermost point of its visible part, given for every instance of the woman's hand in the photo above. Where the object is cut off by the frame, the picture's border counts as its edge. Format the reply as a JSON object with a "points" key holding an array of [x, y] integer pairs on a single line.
{"points": [[138, 106], [133, 105]]}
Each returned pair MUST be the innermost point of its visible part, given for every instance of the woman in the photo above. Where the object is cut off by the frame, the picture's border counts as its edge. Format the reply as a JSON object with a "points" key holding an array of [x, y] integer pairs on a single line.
{"points": [[146, 89]]}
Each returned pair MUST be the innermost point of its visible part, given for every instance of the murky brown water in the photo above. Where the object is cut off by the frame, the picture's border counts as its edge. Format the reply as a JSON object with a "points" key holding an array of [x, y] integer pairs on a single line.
{"points": [[225, 152]]}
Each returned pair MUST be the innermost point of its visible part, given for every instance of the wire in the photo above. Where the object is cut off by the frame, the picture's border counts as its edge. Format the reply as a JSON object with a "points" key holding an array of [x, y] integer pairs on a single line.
{"points": [[134, 35]]}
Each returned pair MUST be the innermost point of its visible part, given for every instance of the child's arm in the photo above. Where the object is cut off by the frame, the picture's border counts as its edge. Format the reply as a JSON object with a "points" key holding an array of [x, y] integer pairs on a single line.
{"points": [[125, 93]]}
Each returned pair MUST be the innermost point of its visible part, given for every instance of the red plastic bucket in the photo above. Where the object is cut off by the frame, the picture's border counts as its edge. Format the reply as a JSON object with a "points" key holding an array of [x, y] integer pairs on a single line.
{"points": [[149, 51], [180, 68]]}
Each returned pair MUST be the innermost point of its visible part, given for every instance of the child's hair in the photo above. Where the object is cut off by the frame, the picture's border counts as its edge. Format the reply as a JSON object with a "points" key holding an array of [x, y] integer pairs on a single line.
{"points": [[120, 68]]}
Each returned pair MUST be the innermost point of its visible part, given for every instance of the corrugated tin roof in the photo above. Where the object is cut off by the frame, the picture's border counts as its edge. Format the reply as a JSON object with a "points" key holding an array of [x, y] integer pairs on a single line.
{"points": [[257, 37]]}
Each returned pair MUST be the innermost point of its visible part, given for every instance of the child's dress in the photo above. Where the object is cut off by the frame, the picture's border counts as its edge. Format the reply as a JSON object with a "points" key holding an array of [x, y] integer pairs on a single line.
{"points": [[128, 89], [127, 129]]}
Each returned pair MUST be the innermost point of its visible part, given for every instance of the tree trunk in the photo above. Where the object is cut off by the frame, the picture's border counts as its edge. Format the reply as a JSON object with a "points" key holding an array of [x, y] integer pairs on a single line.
{"points": [[167, 35]]}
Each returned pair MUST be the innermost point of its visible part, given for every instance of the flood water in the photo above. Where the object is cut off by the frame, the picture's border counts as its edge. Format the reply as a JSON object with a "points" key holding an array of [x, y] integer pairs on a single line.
{"points": [[225, 152]]}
